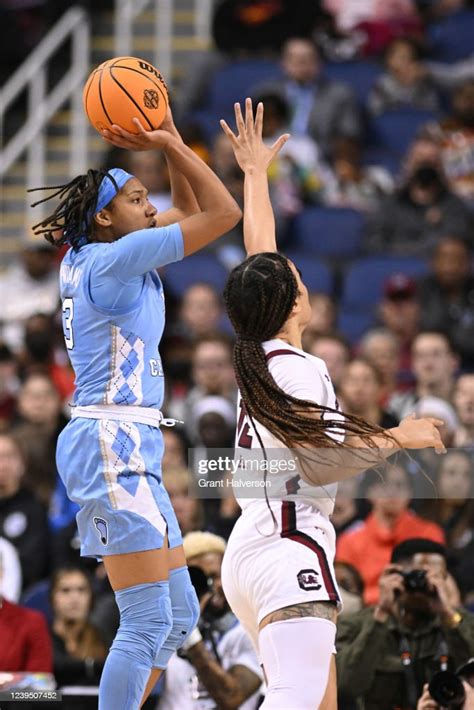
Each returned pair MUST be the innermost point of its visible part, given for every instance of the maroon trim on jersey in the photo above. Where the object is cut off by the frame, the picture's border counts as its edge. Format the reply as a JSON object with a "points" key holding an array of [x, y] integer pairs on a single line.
{"points": [[288, 530], [281, 351]]}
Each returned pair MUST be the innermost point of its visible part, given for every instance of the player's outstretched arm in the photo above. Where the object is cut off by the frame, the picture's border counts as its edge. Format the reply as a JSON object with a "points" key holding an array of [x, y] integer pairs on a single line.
{"points": [[219, 212], [332, 465], [254, 157]]}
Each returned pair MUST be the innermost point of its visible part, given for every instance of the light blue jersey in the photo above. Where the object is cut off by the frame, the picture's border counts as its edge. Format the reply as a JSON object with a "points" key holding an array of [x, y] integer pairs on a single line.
{"points": [[114, 315], [113, 320]]}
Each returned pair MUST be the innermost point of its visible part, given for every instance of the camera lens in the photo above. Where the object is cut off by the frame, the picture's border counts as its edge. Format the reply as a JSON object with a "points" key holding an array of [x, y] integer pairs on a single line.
{"points": [[447, 689]]}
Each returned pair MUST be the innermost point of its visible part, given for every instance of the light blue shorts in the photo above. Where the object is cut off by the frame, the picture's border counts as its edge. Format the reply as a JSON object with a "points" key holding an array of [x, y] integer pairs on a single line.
{"points": [[112, 469]]}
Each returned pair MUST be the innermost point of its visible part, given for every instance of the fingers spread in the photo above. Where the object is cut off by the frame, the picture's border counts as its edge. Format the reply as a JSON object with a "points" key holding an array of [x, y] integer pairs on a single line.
{"points": [[227, 130], [239, 119], [279, 143], [259, 120], [248, 116]]}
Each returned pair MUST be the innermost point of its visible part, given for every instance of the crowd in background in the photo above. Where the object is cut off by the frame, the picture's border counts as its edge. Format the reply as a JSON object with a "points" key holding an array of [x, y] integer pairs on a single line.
{"points": [[416, 356]]}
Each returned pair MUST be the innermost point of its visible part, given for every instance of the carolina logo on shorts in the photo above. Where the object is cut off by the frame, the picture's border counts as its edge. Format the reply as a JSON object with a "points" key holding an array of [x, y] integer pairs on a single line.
{"points": [[308, 579], [102, 529]]}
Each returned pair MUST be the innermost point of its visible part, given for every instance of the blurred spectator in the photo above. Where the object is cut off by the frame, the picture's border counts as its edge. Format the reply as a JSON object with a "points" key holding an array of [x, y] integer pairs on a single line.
{"points": [[201, 310], [243, 29], [452, 508], [23, 520], [42, 355], [27, 287], [434, 364], [39, 423], [323, 318], [297, 176], [10, 572], [390, 522], [78, 650], [399, 312], [457, 132], [463, 400], [215, 421], [438, 408], [334, 350], [189, 511], [346, 516], [386, 654], [229, 248], [422, 211], [351, 587], [382, 348], [360, 391], [446, 297], [25, 644], [361, 187], [176, 449], [405, 81], [9, 385], [217, 666], [323, 109], [212, 373]]}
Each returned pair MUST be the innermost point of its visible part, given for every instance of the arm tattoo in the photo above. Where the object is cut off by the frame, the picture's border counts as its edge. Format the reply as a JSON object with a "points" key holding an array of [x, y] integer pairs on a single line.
{"points": [[320, 610], [229, 689]]}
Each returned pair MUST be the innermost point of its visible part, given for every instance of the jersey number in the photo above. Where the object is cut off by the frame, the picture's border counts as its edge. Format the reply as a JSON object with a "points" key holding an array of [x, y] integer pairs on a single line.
{"points": [[68, 315]]}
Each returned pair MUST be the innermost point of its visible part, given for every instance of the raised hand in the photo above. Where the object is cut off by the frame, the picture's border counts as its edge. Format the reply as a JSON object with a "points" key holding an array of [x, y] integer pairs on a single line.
{"points": [[143, 140], [249, 149], [422, 433]]}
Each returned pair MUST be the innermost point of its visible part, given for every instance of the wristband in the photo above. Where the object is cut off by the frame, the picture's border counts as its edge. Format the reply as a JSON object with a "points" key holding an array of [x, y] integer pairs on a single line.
{"points": [[193, 638]]}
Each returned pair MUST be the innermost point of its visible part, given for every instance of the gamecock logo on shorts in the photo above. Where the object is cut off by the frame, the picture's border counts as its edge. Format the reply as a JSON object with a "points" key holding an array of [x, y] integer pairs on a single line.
{"points": [[308, 580], [151, 98]]}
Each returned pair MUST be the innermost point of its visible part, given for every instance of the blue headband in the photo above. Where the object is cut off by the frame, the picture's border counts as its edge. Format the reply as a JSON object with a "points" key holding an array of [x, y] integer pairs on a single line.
{"points": [[107, 189]]}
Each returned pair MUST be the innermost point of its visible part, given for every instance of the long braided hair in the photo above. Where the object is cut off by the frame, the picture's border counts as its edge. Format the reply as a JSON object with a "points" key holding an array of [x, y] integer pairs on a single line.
{"points": [[259, 296], [74, 213]]}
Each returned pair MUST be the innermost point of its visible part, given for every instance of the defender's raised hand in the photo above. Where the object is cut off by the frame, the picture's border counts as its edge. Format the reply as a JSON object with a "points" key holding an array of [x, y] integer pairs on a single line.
{"points": [[249, 149]]}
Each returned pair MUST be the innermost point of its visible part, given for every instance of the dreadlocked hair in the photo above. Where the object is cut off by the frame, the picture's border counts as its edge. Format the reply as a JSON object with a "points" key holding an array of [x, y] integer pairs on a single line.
{"points": [[73, 215], [259, 296]]}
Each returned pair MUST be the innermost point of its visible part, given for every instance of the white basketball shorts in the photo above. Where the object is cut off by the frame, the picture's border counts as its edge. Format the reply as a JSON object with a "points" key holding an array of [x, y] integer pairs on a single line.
{"points": [[263, 571]]}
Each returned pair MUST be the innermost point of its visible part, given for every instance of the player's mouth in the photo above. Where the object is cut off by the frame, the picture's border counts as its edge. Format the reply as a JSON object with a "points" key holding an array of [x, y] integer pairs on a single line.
{"points": [[153, 223]]}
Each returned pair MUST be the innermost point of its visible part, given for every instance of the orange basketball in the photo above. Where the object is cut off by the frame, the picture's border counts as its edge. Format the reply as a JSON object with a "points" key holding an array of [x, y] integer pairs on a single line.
{"points": [[122, 89]]}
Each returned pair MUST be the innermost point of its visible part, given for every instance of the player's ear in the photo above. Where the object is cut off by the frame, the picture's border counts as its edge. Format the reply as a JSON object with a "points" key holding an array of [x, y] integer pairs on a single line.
{"points": [[103, 219]]}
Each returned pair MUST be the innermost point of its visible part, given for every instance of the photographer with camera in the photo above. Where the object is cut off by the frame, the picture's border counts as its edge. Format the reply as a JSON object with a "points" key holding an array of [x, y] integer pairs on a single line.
{"points": [[387, 653], [217, 666]]}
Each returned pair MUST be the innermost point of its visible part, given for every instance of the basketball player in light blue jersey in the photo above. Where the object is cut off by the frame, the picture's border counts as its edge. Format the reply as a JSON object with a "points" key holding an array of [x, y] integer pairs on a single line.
{"points": [[109, 455]]}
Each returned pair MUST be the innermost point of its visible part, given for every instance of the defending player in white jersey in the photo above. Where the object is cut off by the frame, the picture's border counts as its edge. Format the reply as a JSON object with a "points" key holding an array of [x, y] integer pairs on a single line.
{"points": [[278, 567]]}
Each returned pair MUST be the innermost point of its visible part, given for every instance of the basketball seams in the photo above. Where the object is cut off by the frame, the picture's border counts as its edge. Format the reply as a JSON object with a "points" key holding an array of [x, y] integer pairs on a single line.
{"points": [[86, 96], [99, 94], [147, 75], [131, 97], [101, 99]]}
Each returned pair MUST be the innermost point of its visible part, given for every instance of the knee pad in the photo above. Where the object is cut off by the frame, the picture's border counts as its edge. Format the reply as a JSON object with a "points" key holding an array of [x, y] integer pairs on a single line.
{"points": [[296, 655], [145, 620], [185, 611]]}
